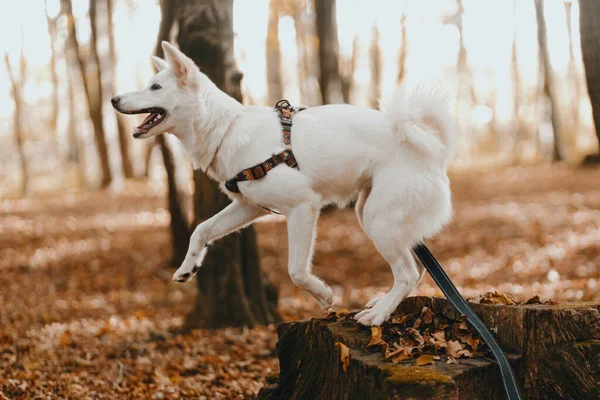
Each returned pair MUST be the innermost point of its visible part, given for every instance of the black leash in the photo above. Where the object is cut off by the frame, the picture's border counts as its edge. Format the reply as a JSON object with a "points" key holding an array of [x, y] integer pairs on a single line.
{"points": [[454, 297]]}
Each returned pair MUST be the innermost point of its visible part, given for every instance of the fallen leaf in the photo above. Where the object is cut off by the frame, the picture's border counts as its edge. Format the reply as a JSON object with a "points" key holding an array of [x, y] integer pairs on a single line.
{"points": [[438, 340], [465, 353], [65, 339], [376, 339], [402, 351], [344, 355], [453, 347], [497, 298], [425, 359], [474, 343], [161, 377], [426, 315], [416, 335], [402, 319], [32, 365], [534, 300]]}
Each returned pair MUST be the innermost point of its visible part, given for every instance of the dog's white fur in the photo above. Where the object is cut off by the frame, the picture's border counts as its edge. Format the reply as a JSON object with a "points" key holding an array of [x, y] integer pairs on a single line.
{"points": [[394, 162]]}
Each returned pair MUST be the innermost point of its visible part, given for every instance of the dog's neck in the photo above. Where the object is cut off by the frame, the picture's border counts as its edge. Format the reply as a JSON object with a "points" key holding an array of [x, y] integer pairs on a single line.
{"points": [[207, 128]]}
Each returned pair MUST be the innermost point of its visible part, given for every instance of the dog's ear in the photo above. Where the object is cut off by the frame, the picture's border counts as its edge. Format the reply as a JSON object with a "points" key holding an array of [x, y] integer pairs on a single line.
{"points": [[159, 63], [182, 65]]}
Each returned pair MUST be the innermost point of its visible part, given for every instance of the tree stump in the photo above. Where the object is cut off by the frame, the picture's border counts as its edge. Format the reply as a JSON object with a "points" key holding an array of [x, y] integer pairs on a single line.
{"points": [[554, 350]]}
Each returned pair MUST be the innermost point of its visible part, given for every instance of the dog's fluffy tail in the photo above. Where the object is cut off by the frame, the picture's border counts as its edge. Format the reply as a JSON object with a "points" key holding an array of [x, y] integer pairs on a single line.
{"points": [[421, 118]]}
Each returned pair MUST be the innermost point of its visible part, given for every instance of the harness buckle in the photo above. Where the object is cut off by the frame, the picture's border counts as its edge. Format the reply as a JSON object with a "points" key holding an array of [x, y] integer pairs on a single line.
{"points": [[232, 186]]}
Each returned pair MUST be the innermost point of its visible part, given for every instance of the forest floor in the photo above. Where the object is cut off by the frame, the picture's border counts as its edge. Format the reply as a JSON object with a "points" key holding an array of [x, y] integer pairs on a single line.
{"points": [[87, 308]]}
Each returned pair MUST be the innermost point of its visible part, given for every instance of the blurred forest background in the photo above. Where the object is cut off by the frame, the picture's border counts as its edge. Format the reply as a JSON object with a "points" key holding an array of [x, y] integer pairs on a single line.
{"points": [[91, 221]]}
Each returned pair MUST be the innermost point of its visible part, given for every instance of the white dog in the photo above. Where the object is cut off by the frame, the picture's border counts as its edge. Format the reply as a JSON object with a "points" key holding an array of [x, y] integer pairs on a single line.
{"points": [[393, 163]]}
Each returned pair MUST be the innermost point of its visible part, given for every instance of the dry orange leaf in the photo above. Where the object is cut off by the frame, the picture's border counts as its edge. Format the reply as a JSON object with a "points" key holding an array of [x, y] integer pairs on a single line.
{"points": [[438, 339], [425, 359], [497, 298], [376, 339], [344, 355], [65, 339], [453, 347], [402, 319], [456, 349], [416, 335], [401, 357]]}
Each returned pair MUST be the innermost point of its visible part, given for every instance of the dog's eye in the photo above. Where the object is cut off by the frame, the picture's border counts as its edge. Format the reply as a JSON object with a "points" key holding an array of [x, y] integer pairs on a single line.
{"points": [[156, 86]]}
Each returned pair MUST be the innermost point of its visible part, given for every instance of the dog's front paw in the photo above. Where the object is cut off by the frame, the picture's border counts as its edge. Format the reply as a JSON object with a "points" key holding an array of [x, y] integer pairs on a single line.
{"points": [[190, 266], [326, 301], [184, 273]]}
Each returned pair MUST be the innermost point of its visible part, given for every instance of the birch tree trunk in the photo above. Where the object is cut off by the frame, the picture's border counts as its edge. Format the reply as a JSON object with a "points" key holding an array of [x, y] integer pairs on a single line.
{"points": [[548, 80], [93, 93], [516, 83], [95, 99], [75, 151], [126, 164], [274, 80], [180, 229], [231, 288], [17, 89], [347, 69], [375, 64], [53, 75], [403, 50], [589, 26], [330, 81]]}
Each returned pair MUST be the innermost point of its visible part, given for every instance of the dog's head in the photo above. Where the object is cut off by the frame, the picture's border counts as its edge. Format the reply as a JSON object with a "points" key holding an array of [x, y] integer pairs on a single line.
{"points": [[170, 99]]}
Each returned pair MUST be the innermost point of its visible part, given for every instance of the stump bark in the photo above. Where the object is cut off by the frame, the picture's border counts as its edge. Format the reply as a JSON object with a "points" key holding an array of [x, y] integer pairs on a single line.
{"points": [[554, 350]]}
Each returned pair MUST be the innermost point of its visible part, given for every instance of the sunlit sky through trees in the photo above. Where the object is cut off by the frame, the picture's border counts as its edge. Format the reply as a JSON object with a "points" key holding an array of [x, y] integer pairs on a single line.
{"points": [[433, 42]]}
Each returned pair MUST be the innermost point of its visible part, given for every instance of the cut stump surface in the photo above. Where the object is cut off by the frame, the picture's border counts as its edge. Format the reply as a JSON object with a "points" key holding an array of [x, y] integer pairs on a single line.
{"points": [[554, 350]]}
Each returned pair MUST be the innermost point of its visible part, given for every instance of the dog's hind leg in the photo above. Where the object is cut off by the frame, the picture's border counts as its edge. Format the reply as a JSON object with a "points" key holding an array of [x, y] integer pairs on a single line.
{"points": [[359, 209], [405, 277], [388, 225], [302, 223]]}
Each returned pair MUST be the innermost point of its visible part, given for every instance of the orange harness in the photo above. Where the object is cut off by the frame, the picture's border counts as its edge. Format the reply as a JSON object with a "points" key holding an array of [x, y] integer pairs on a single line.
{"points": [[286, 111]]}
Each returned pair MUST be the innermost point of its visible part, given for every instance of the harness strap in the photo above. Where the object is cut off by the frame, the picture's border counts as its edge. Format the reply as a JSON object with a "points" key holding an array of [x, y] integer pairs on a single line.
{"points": [[258, 171], [454, 297]]}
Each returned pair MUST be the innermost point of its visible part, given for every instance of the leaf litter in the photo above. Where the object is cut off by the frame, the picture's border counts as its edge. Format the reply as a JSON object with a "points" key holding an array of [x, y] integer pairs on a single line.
{"points": [[87, 308]]}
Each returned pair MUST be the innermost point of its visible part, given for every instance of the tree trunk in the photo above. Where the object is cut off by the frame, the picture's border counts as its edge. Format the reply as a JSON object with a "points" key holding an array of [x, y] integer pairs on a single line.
{"points": [[347, 68], [465, 96], [95, 99], [330, 82], [17, 88], [93, 94], [75, 152], [180, 229], [403, 50], [53, 75], [589, 27], [516, 83], [274, 80], [126, 164], [231, 289], [548, 80], [375, 64], [307, 67]]}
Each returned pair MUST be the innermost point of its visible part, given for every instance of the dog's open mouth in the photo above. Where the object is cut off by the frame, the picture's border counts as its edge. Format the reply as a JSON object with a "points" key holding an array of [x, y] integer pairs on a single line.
{"points": [[156, 116]]}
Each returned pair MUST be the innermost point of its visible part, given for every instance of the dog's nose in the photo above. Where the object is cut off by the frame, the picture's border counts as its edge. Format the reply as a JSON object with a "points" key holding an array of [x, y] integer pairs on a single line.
{"points": [[115, 100]]}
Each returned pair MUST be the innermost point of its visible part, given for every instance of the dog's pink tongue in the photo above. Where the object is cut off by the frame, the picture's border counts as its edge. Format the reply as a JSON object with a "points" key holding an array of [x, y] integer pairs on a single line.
{"points": [[147, 119]]}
